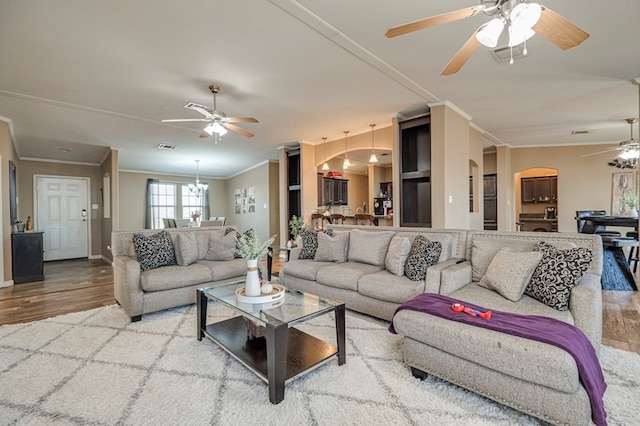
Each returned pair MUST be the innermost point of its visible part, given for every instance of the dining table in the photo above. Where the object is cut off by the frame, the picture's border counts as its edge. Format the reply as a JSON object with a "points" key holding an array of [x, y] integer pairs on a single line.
{"points": [[615, 246]]}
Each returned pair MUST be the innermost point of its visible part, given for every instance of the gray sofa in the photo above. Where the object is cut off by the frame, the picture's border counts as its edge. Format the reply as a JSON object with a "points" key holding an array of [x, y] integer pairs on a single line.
{"points": [[533, 377], [169, 286], [364, 284]]}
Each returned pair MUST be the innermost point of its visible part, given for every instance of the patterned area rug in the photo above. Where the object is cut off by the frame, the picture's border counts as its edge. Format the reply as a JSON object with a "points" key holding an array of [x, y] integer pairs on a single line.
{"points": [[96, 367]]}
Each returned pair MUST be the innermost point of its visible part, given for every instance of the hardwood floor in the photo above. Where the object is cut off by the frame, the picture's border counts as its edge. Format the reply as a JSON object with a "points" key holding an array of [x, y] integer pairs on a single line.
{"points": [[77, 285]]}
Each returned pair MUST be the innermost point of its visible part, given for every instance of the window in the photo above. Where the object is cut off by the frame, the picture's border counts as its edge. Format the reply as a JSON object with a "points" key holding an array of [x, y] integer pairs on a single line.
{"points": [[162, 203], [192, 203]]}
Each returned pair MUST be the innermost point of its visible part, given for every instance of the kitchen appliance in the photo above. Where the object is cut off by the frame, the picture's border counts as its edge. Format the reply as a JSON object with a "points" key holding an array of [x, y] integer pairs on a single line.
{"points": [[387, 205], [550, 212], [378, 207]]}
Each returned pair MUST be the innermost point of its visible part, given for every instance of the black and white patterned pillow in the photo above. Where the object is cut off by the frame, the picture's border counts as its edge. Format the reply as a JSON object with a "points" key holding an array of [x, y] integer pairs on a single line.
{"points": [[557, 273], [310, 243], [154, 251], [424, 253], [228, 231]]}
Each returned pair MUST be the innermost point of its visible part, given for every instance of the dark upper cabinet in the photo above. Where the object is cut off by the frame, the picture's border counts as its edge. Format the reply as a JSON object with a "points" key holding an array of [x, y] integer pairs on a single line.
{"points": [[335, 192], [539, 189]]}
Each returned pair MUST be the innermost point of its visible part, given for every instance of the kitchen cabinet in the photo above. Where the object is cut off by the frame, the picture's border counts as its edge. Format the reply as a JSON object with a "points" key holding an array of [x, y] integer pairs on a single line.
{"points": [[27, 256], [539, 189], [335, 192]]}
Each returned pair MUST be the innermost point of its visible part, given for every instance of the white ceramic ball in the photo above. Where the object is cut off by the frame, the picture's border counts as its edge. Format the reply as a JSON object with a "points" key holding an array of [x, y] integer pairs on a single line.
{"points": [[266, 289]]}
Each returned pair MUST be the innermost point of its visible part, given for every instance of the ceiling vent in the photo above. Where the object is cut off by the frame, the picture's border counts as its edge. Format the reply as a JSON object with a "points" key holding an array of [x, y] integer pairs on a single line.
{"points": [[503, 54], [579, 132], [166, 146]]}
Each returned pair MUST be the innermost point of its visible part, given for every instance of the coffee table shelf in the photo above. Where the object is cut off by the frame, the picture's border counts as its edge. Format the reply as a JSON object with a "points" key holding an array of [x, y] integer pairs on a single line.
{"points": [[303, 350]]}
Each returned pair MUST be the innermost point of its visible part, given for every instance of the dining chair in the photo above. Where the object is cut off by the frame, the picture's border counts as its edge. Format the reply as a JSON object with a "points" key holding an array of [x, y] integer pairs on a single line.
{"points": [[336, 217], [317, 221], [363, 219], [222, 219], [211, 223]]}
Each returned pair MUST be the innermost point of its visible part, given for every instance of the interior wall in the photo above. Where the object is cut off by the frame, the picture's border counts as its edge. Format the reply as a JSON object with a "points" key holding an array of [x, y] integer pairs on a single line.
{"points": [[489, 163], [27, 169], [584, 183], [7, 153], [109, 170], [358, 188], [476, 218], [133, 189], [260, 221]]}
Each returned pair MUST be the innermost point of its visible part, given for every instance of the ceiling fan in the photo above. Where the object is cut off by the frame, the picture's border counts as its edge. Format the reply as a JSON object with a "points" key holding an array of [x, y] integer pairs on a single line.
{"points": [[218, 122], [522, 18]]}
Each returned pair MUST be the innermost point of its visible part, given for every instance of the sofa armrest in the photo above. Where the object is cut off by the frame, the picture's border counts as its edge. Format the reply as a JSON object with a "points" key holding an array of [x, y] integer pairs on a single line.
{"points": [[434, 275], [455, 277], [585, 305], [295, 253], [126, 285]]}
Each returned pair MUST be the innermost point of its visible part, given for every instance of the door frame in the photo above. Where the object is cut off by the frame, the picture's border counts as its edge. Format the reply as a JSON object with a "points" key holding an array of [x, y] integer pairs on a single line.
{"points": [[35, 203]]}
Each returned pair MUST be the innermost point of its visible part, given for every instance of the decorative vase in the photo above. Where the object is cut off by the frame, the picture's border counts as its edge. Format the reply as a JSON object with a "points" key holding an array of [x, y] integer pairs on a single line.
{"points": [[299, 241], [252, 284]]}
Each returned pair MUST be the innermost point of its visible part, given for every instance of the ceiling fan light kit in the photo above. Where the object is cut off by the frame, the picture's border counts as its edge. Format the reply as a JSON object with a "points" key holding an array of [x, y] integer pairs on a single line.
{"points": [[524, 20]]}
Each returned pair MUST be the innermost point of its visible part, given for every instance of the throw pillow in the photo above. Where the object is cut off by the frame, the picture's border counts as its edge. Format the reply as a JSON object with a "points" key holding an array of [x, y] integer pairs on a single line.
{"points": [[369, 247], [186, 248], [332, 248], [509, 272], [557, 273], [154, 251], [310, 243], [399, 250], [424, 253], [221, 247]]}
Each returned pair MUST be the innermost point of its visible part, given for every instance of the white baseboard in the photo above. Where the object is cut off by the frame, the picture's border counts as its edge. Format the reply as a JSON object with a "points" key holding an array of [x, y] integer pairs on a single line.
{"points": [[6, 283], [106, 259], [96, 256]]}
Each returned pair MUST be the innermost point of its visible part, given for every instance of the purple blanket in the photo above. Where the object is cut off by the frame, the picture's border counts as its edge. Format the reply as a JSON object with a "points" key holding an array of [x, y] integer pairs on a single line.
{"points": [[543, 329]]}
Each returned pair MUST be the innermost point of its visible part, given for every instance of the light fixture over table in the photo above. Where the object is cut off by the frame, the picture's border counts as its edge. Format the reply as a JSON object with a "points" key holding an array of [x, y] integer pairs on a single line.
{"points": [[373, 158], [198, 187], [325, 166], [346, 163]]}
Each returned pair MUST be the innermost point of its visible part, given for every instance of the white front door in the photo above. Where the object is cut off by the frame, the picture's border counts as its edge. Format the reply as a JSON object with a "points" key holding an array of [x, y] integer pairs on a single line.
{"points": [[62, 212]]}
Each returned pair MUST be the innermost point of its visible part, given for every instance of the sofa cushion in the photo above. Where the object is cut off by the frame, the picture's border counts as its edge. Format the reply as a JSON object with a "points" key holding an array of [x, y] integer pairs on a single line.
{"points": [[154, 251], [221, 247], [304, 269], [344, 275], [224, 269], [369, 247], [309, 239], [424, 253], [228, 231], [186, 247], [170, 277], [399, 249], [385, 286], [509, 272], [444, 239], [557, 273], [332, 249]]}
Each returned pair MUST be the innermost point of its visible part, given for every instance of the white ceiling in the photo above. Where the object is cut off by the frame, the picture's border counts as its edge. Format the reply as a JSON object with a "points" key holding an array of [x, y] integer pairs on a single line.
{"points": [[85, 75]]}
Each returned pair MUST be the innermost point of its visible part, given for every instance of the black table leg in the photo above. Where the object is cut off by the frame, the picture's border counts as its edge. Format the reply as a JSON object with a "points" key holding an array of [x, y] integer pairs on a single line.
{"points": [[201, 301], [340, 334], [276, 360], [621, 259]]}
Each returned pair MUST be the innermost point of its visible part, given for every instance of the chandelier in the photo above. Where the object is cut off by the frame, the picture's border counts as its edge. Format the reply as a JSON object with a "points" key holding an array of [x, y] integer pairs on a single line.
{"points": [[198, 187]]}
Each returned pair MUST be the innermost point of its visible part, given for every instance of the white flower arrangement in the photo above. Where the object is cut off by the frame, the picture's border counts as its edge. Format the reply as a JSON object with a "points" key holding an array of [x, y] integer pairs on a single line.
{"points": [[250, 246]]}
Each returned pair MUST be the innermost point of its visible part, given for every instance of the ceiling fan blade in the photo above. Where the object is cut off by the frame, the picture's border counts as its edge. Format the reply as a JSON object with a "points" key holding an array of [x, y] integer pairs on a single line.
{"points": [[177, 120], [558, 30], [204, 134], [462, 56], [433, 21], [602, 152], [203, 110], [240, 130], [241, 120]]}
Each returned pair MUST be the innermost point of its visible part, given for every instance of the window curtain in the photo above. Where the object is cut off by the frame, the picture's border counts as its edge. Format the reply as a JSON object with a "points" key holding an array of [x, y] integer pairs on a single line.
{"points": [[205, 206], [148, 220]]}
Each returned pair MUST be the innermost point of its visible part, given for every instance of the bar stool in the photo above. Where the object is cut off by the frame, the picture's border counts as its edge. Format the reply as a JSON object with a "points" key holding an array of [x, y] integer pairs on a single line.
{"points": [[634, 252]]}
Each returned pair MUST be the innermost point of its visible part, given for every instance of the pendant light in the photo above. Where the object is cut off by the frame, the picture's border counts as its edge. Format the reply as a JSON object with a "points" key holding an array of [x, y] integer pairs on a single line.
{"points": [[325, 166], [198, 188], [346, 163], [373, 158]]}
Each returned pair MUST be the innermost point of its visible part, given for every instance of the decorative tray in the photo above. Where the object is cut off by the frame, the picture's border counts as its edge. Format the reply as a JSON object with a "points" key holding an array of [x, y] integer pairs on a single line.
{"points": [[276, 294]]}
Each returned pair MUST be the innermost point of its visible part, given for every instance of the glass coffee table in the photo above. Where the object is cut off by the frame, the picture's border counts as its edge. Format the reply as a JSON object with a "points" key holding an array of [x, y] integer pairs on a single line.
{"points": [[264, 338]]}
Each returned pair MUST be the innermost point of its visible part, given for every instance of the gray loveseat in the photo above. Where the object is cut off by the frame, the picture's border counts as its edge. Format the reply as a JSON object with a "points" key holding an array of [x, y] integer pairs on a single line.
{"points": [[533, 377], [363, 282], [141, 292]]}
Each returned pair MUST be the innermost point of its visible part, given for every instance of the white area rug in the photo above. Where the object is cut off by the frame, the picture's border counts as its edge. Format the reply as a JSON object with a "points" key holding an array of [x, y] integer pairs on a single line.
{"points": [[96, 367]]}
